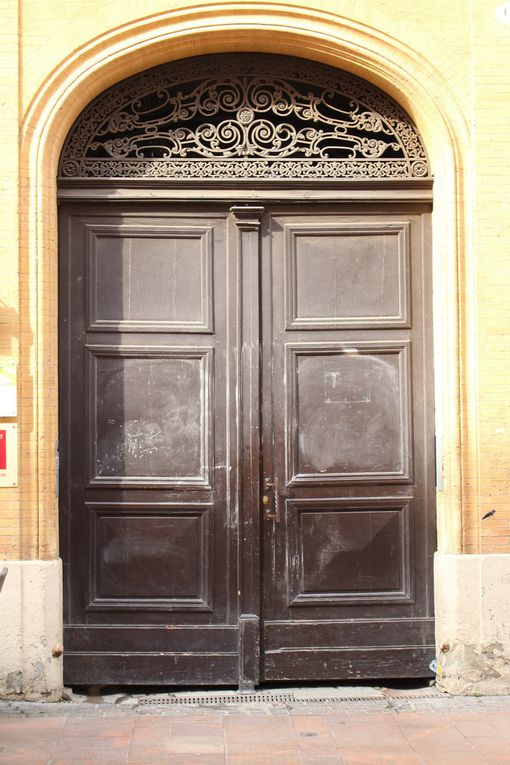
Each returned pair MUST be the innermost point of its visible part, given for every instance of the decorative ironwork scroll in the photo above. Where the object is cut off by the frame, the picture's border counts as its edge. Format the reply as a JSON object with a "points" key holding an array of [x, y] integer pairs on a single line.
{"points": [[243, 116]]}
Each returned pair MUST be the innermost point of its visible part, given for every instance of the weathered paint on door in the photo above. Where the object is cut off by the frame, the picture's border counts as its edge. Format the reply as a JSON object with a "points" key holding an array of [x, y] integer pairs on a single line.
{"points": [[226, 522], [347, 396]]}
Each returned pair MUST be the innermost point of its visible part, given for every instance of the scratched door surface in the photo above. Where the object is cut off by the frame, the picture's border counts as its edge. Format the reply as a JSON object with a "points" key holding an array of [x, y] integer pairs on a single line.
{"points": [[146, 413], [347, 444], [163, 420]]}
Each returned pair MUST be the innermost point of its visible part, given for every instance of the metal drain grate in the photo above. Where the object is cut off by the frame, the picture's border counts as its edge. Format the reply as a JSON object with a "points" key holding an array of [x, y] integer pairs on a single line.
{"points": [[231, 698], [193, 699]]}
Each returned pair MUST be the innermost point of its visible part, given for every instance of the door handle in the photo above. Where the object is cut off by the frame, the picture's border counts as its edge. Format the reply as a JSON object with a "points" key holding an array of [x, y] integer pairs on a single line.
{"points": [[271, 513]]}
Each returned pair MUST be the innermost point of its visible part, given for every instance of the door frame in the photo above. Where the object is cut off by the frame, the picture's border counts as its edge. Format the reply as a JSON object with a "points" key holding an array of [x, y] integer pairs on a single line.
{"points": [[57, 98], [246, 203]]}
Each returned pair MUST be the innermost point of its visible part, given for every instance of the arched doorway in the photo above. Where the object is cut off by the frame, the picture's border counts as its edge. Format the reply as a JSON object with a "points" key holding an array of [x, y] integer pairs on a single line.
{"points": [[246, 379]]}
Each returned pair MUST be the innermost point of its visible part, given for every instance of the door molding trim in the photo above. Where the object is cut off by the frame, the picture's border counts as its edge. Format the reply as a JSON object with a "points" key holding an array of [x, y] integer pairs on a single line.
{"points": [[247, 219], [259, 191]]}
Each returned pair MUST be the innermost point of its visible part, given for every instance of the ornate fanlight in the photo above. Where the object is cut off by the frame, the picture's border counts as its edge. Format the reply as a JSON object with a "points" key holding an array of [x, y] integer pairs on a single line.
{"points": [[243, 116]]}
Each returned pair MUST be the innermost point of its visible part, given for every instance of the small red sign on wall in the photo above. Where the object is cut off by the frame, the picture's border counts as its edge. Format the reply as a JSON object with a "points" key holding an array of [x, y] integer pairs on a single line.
{"points": [[9, 454], [3, 449]]}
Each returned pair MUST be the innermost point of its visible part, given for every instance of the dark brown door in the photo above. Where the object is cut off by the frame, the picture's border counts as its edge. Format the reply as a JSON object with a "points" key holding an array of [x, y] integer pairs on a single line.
{"points": [[347, 440], [147, 435], [171, 436]]}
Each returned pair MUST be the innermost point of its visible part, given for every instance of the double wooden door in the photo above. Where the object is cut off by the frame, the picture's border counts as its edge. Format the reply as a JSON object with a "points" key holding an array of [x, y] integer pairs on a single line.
{"points": [[246, 482]]}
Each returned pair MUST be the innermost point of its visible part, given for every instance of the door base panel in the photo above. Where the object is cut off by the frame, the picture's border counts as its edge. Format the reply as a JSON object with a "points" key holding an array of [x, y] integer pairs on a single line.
{"points": [[361, 633], [223, 669], [348, 663], [150, 669], [170, 638], [178, 655]]}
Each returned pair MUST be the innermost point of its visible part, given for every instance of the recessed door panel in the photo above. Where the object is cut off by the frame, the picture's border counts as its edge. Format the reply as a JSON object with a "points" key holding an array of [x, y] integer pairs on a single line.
{"points": [[150, 415], [346, 276], [348, 551], [348, 412], [156, 278], [151, 556]]}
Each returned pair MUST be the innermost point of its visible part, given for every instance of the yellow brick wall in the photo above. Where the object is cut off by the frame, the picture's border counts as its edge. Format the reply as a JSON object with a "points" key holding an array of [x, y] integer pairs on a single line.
{"points": [[465, 48], [490, 118], [10, 523]]}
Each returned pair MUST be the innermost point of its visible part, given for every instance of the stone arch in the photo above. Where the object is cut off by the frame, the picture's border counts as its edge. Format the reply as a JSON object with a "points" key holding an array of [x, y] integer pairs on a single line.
{"points": [[265, 27]]}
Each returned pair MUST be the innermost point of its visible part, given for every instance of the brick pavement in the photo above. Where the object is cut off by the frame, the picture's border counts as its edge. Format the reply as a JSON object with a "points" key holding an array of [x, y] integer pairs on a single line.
{"points": [[379, 731]]}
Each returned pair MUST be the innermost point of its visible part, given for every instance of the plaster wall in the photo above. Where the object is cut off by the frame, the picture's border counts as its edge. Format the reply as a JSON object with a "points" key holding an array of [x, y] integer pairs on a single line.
{"points": [[31, 628], [473, 623]]}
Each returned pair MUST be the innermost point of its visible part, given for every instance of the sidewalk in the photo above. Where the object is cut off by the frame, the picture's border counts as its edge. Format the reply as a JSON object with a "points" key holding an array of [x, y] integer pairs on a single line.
{"points": [[352, 726]]}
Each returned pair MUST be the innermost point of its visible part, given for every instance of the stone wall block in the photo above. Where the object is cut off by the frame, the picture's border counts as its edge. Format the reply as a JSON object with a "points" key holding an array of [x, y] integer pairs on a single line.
{"points": [[31, 629]]}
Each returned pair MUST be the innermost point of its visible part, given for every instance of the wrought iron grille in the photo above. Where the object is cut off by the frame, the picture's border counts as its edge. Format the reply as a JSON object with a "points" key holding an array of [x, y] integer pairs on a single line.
{"points": [[244, 116]]}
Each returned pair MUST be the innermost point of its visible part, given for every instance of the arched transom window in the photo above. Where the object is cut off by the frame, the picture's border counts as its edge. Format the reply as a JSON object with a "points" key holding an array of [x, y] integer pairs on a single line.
{"points": [[244, 116]]}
